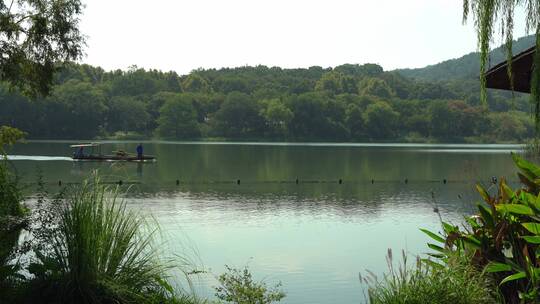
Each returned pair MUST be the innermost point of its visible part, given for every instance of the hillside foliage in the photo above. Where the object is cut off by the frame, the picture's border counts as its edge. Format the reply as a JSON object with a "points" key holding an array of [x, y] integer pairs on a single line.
{"points": [[347, 103]]}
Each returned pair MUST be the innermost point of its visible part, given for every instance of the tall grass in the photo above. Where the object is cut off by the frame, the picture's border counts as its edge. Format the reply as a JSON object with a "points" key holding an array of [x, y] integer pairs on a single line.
{"points": [[10, 195], [426, 283], [101, 252]]}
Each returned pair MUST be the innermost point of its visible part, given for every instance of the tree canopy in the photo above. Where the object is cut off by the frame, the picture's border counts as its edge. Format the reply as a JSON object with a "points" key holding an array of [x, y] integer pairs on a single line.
{"points": [[346, 103], [35, 36]]}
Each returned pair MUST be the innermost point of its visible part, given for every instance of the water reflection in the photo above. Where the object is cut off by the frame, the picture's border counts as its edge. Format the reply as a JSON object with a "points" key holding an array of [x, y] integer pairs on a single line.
{"points": [[314, 235]]}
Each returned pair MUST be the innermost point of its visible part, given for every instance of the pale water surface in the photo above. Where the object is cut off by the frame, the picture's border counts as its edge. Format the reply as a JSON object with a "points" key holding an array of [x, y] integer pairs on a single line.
{"points": [[315, 236]]}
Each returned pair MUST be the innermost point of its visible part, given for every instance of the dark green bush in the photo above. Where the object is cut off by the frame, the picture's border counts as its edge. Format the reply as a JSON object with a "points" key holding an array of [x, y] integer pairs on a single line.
{"points": [[503, 239], [10, 195], [237, 286]]}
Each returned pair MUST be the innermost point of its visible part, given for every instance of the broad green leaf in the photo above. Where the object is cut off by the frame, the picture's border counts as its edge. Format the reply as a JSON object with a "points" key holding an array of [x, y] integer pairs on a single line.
{"points": [[530, 169], [437, 255], [532, 227], [448, 228], [498, 267], [515, 208], [483, 193], [434, 236], [432, 264], [486, 215], [471, 240], [509, 192], [515, 276], [537, 202], [436, 248], [472, 222], [529, 198], [532, 239]]}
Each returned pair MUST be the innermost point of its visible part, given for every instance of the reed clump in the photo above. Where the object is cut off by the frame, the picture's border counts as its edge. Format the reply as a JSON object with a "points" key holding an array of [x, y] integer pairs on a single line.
{"points": [[99, 251], [428, 283]]}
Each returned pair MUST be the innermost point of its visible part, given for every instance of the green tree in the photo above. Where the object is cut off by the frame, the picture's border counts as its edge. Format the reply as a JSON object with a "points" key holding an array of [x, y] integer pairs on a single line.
{"points": [[126, 114], [154, 104], [277, 116], [368, 69], [454, 119], [178, 118], [35, 36], [227, 84], [82, 108], [355, 122], [195, 83], [316, 116], [381, 120], [336, 83], [508, 127], [136, 82], [418, 123], [375, 87], [238, 117], [442, 125]]}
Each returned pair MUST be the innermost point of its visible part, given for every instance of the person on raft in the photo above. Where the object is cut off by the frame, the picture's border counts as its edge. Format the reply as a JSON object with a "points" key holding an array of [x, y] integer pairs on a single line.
{"points": [[139, 151]]}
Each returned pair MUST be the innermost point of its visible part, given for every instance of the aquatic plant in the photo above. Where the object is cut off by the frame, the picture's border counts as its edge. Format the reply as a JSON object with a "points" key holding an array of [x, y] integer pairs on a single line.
{"points": [[503, 239], [99, 252], [237, 286], [425, 283]]}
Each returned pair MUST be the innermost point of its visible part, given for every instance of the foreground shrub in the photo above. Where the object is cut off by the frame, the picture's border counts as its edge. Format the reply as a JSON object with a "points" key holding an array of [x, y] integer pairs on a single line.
{"points": [[11, 215], [237, 286], [429, 283], [10, 191], [504, 237], [10, 196], [98, 253]]}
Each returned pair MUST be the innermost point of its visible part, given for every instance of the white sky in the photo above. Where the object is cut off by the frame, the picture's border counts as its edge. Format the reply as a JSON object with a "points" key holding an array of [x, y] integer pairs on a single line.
{"points": [[183, 35]]}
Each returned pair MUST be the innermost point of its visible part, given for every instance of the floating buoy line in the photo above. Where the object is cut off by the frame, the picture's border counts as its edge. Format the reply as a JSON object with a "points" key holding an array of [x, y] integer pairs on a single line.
{"points": [[297, 181]]}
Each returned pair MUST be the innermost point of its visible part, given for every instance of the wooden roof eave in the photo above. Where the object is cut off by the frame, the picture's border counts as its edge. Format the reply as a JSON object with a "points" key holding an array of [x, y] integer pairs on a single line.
{"points": [[497, 76]]}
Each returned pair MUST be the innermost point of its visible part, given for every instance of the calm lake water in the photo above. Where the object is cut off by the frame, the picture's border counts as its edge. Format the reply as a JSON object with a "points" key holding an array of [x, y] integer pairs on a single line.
{"points": [[315, 236]]}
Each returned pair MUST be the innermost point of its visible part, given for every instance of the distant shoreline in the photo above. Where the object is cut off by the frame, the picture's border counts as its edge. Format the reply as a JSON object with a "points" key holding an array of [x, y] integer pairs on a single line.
{"points": [[286, 143]]}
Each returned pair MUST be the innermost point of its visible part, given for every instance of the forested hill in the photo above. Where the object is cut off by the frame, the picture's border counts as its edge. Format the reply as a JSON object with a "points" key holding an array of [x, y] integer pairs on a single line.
{"points": [[465, 67], [350, 102]]}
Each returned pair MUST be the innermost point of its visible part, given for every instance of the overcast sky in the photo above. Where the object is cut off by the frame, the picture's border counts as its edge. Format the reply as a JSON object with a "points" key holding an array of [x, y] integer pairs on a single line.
{"points": [[183, 35]]}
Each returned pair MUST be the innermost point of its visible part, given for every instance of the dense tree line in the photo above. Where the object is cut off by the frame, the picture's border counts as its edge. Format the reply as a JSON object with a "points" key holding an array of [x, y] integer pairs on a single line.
{"points": [[345, 103]]}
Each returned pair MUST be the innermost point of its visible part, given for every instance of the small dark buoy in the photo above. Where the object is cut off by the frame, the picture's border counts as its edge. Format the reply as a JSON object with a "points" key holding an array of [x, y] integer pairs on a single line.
{"points": [[406, 181], [297, 181], [59, 183], [177, 182], [340, 181], [444, 181], [120, 182], [238, 182], [494, 180], [436, 210], [372, 181]]}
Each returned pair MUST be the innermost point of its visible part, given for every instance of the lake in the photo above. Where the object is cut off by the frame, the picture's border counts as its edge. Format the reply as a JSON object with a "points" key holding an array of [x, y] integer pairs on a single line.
{"points": [[281, 209]]}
